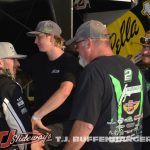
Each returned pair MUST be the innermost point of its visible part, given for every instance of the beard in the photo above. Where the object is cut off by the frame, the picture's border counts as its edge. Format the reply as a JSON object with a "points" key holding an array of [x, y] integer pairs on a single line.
{"points": [[82, 61]]}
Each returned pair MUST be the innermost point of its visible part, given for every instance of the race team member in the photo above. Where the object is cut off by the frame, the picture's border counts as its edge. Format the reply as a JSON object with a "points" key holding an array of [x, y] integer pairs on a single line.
{"points": [[111, 97], [54, 73], [13, 112]]}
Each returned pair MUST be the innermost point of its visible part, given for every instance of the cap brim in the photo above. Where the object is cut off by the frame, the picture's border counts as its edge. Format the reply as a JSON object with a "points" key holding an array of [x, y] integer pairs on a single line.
{"points": [[33, 33], [19, 56], [71, 41]]}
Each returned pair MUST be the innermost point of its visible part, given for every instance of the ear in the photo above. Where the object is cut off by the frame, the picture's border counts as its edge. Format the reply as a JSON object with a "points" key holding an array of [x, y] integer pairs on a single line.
{"points": [[1, 64]]}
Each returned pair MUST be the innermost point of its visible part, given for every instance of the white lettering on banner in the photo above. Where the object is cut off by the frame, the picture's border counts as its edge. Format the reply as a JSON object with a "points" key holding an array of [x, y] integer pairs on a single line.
{"points": [[111, 139], [81, 4]]}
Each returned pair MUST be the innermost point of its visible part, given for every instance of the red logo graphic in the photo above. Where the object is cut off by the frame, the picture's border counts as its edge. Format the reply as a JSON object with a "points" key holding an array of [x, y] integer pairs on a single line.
{"points": [[9, 135], [10, 138]]}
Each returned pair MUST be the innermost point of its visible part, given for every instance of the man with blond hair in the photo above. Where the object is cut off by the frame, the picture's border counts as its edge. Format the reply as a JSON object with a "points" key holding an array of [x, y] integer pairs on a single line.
{"points": [[54, 74]]}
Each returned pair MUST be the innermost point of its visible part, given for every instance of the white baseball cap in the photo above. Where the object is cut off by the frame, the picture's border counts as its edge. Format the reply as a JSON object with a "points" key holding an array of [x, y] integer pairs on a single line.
{"points": [[7, 51]]}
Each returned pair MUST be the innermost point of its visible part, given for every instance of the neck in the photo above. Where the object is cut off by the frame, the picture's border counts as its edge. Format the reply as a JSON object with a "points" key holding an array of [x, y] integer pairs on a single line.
{"points": [[97, 53], [7, 73], [55, 53]]}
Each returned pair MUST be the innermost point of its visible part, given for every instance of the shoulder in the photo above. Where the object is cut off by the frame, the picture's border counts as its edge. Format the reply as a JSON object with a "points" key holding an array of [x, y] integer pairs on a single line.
{"points": [[36, 57], [5, 80], [70, 59], [69, 56], [7, 85]]}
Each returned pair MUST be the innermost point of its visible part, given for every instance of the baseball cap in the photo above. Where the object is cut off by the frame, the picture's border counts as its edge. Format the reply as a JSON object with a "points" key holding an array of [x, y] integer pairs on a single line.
{"points": [[90, 29], [7, 51], [47, 27], [145, 40]]}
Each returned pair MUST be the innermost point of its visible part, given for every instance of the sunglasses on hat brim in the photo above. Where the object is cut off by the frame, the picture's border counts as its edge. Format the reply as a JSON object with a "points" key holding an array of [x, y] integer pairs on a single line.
{"points": [[145, 40]]}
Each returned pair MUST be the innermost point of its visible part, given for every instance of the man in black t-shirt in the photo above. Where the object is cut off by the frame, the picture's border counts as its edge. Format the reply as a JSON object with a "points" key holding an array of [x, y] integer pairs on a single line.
{"points": [[111, 98], [54, 75]]}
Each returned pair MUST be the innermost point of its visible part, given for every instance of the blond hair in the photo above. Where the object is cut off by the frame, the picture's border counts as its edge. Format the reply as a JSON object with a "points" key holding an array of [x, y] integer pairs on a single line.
{"points": [[59, 42]]}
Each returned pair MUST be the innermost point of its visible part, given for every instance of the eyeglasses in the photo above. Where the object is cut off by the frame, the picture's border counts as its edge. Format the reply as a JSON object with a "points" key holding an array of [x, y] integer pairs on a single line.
{"points": [[77, 43], [145, 40]]}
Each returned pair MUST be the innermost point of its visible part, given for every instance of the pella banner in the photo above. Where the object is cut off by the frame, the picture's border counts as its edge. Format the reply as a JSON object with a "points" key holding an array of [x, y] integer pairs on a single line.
{"points": [[127, 30]]}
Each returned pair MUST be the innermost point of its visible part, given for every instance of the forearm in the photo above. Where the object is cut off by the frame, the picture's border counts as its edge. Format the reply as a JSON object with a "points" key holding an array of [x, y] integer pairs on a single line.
{"points": [[51, 104], [79, 129], [56, 100]]}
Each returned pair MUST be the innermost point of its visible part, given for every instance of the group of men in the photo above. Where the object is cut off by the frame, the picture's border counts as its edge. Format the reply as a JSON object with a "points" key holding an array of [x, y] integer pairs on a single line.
{"points": [[106, 98]]}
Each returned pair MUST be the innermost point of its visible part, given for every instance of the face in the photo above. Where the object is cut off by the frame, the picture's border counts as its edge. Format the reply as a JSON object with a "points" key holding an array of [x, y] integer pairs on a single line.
{"points": [[82, 48], [146, 54], [43, 41], [11, 64]]}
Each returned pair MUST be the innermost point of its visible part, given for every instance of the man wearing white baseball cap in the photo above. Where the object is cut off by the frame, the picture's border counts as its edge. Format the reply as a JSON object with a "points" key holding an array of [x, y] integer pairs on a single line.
{"points": [[13, 112], [8, 58]]}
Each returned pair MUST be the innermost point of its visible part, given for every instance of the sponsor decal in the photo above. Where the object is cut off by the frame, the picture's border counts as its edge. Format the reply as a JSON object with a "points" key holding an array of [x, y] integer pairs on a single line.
{"points": [[55, 71], [128, 119], [111, 122], [130, 125], [128, 91], [117, 132], [131, 106], [120, 120], [81, 4], [20, 102], [120, 126], [129, 131], [24, 110], [128, 75], [137, 117], [25, 138]]}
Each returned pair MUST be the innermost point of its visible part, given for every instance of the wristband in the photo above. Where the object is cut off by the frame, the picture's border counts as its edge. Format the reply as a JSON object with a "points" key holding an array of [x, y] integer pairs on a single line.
{"points": [[35, 118]]}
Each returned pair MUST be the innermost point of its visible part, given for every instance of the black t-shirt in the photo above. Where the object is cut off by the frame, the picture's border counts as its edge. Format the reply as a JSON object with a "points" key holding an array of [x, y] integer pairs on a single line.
{"points": [[147, 77], [47, 77], [111, 95]]}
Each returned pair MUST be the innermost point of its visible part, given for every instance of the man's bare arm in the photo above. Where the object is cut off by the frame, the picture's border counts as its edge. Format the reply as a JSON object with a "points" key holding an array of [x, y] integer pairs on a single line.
{"points": [[79, 129], [56, 100]]}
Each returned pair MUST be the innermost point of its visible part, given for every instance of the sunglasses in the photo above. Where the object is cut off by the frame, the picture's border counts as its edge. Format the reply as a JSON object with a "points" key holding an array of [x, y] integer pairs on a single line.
{"points": [[77, 43], [145, 40]]}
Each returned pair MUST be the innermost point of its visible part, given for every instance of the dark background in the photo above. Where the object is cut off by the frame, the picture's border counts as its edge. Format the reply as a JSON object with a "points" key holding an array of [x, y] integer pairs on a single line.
{"points": [[20, 16]]}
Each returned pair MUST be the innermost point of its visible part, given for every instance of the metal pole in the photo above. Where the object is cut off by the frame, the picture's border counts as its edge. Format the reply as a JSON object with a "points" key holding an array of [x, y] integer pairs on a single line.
{"points": [[71, 18], [15, 20], [52, 10]]}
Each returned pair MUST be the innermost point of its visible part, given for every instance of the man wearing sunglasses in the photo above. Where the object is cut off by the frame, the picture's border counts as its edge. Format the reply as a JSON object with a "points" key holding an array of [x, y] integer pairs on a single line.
{"points": [[145, 41]]}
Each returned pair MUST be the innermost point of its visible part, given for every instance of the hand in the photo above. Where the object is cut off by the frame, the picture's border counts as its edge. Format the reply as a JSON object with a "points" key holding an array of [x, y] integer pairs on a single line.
{"points": [[38, 146], [36, 123]]}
